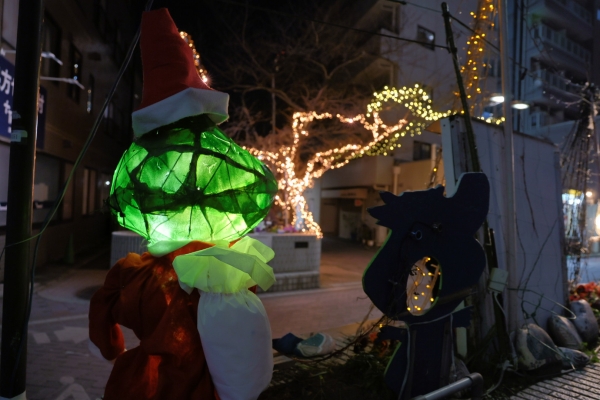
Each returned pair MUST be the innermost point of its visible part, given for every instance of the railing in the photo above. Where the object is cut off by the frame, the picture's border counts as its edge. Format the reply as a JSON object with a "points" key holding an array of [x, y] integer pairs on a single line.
{"points": [[576, 9], [558, 82], [560, 39]]}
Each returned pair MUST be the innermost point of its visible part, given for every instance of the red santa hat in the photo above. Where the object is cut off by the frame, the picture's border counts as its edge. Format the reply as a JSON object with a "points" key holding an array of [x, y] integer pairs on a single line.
{"points": [[173, 88]]}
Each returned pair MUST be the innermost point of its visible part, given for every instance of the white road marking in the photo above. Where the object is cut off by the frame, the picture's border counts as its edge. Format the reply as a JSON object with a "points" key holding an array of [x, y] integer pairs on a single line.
{"points": [[57, 319], [76, 334], [40, 337], [74, 391]]}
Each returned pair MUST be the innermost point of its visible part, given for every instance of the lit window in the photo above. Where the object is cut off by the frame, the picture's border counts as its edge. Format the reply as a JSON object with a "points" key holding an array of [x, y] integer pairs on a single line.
{"points": [[426, 37], [76, 60], [90, 94]]}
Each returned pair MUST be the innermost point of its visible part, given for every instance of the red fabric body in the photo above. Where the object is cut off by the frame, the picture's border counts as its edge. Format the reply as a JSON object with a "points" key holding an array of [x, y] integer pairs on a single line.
{"points": [[167, 60], [142, 293]]}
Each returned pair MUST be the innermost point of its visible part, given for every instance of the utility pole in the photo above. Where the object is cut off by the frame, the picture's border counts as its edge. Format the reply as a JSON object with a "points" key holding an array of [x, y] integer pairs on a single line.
{"points": [[13, 359], [474, 158], [510, 236]]}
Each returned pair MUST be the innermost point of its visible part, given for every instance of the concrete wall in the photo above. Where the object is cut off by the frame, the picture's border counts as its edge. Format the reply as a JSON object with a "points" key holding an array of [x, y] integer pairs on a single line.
{"points": [[362, 172], [415, 175], [538, 280]]}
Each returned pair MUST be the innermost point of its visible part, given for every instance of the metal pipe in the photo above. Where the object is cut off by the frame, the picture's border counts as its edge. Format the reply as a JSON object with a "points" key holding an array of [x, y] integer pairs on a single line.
{"points": [[473, 381], [396, 169], [509, 168], [475, 167]]}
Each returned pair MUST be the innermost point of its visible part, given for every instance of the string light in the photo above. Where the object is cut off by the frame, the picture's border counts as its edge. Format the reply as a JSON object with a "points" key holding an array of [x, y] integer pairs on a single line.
{"points": [[476, 46], [384, 138], [201, 70], [285, 161], [492, 120], [417, 101], [420, 285]]}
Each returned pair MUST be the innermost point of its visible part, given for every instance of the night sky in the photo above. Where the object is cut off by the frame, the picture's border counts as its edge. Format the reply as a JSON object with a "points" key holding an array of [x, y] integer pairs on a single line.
{"points": [[211, 24], [276, 33]]}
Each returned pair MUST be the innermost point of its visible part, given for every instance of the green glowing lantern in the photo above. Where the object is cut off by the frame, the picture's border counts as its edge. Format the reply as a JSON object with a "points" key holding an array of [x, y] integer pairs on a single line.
{"points": [[188, 181]]}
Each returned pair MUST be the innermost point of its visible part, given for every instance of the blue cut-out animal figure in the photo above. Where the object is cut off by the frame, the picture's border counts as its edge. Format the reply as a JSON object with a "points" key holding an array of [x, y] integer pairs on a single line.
{"points": [[426, 226]]}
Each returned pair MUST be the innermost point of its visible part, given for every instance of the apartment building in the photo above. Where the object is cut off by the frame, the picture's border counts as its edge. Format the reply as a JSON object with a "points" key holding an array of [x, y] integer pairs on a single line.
{"points": [[84, 44], [556, 43]]}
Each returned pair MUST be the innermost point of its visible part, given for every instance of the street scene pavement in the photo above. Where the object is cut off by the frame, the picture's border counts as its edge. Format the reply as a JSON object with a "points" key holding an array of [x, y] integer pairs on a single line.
{"points": [[590, 269], [60, 366]]}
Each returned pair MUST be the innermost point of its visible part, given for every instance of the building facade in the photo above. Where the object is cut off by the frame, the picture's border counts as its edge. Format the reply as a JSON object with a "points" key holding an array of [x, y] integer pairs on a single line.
{"points": [[556, 46], [346, 193], [84, 45]]}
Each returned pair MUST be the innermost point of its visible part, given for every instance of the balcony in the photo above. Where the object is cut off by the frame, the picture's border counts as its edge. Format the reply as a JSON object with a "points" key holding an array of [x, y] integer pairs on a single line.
{"points": [[555, 47], [567, 14], [548, 87]]}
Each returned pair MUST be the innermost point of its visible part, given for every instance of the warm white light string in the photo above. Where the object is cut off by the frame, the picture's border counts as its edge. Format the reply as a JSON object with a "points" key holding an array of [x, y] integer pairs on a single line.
{"points": [[384, 138]]}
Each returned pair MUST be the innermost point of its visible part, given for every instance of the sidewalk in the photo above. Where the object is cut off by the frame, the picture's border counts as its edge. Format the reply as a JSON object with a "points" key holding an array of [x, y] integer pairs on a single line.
{"points": [[61, 367]]}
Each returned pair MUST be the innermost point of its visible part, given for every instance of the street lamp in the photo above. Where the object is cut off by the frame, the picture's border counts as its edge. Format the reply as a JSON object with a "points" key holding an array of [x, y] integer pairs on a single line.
{"points": [[497, 98], [519, 105]]}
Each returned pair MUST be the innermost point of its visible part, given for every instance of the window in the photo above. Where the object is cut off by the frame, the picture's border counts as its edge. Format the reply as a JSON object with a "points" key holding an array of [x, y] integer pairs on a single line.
{"points": [[421, 151], [426, 37], [116, 123], [51, 36], [90, 94], [45, 186], [90, 184], [76, 67], [389, 17], [104, 182], [117, 47], [100, 18], [538, 119]]}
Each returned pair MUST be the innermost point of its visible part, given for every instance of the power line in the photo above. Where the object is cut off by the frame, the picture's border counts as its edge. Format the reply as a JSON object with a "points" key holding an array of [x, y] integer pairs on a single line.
{"points": [[403, 2], [333, 24]]}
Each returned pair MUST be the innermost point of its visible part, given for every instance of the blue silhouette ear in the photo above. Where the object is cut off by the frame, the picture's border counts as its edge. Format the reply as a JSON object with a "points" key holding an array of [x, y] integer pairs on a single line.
{"points": [[439, 189], [383, 214], [387, 197]]}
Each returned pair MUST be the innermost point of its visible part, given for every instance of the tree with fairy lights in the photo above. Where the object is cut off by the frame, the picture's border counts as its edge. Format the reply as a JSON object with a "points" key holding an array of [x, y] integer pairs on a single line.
{"points": [[304, 101], [297, 168]]}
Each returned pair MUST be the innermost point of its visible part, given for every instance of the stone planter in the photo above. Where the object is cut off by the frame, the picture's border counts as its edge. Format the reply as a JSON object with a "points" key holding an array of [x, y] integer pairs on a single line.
{"points": [[297, 259], [124, 242], [296, 264]]}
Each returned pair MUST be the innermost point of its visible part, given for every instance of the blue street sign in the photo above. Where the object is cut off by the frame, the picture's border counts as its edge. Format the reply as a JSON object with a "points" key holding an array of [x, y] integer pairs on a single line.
{"points": [[7, 89]]}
